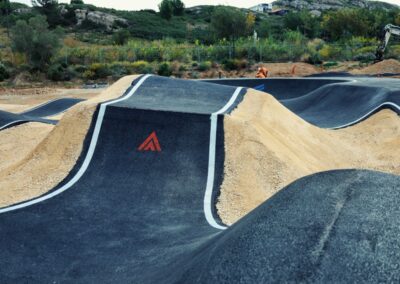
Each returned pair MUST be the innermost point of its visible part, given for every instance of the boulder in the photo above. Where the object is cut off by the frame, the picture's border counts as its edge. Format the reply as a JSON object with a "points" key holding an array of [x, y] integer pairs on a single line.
{"points": [[99, 18]]}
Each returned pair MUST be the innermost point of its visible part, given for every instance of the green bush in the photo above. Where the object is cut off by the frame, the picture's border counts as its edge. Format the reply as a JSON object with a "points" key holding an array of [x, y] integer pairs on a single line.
{"points": [[204, 66], [330, 64], [58, 72], [141, 67], [164, 69], [234, 64], [99, 71], [365, 58], [36, 41], [4, 74], [121, 37]]}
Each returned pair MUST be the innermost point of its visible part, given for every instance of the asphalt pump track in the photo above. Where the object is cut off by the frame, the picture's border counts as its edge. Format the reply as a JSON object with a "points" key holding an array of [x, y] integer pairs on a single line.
{"points": [[329, 102], [37, 114], [139, 207]]}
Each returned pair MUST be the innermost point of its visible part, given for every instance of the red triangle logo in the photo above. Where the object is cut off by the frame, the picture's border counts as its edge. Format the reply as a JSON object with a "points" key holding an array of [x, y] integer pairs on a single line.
{"points": [[151, 144]]}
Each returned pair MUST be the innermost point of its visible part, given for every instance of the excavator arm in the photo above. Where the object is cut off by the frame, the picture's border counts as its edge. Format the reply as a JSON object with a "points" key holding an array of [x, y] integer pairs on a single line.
{"points": [[388, 31]]}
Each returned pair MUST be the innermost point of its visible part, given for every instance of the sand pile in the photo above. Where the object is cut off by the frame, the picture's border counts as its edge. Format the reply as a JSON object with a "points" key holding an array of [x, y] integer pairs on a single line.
{"points": [[385, 66], [17, 142], [268, 147], [291, 69], [52, 159]]}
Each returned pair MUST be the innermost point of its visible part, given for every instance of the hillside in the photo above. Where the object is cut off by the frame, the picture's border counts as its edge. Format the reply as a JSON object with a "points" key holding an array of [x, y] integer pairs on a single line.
{"points": [[325, 5], [193, 25], [85, 42]]}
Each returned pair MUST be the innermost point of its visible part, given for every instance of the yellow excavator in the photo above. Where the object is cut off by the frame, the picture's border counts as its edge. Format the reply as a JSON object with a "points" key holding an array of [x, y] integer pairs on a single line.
{"points": [[388, 31]]}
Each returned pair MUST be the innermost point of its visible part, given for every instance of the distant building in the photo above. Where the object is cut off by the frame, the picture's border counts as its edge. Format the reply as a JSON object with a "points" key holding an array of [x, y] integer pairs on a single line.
{"points": [[262, 8]]}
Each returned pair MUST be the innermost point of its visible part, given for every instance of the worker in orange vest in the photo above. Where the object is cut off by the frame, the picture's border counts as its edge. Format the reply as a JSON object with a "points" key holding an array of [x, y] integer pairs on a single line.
{"points": [[262, 72]]}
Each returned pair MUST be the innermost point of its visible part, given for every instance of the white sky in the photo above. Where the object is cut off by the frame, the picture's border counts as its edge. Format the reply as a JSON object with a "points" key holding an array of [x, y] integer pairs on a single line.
{"points": [[152, 4]]}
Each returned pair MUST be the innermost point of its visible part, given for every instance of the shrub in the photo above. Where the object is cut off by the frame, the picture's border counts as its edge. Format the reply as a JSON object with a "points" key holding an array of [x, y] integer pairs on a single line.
{"points": [[204, 66], [58, 72], [80, 69], [365, 58], [330, 64], [118, 69], [234, 64], [3, 72], [141, 67], [88, 74], [164, 69], [313, 58], [230, 64], [330, 52], [121, 37], [183, 68], [99, 70]]}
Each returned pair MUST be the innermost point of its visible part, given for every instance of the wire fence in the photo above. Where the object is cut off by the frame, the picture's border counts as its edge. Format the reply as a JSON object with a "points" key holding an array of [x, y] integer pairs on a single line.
{"points": [[275, 52]]}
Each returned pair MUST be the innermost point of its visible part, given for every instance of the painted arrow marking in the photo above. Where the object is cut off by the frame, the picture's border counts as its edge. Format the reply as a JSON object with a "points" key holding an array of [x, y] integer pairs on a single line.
{"points": [[151, 143]]}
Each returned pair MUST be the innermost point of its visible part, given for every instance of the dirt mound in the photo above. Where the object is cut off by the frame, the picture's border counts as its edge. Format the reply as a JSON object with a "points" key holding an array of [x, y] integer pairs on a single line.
{"points": [[298, 69], [19, 141], [51, 161], [385, 66], [267, 147]]}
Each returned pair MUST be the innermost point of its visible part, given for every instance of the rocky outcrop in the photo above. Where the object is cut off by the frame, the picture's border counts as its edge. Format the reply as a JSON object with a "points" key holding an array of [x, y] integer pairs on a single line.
{"points": [[100, 18], [23, 11], [322, 5]]}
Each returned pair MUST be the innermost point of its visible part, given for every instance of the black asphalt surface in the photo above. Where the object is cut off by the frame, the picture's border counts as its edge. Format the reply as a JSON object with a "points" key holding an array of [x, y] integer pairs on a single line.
{"points": [[138, 217], [329, 102], [332, 227], [37, 114], [132, 213], [281, 88]]}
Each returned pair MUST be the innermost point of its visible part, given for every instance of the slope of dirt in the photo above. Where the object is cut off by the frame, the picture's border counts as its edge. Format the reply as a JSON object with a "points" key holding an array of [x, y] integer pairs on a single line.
{"points": [[267, 147], [53, 158], [295, 69], [385, 66], [19, 141]]}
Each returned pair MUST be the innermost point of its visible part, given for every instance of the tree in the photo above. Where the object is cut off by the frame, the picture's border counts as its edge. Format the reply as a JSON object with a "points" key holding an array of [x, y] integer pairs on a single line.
{"points": [[166, 9], [5, 7], [121, 37], [229, 23], [304, 22], [36, 41], [44, 3], [250, 22], [178, 7], [49, 9], [345, 23], [5, 11], [77, 2]]}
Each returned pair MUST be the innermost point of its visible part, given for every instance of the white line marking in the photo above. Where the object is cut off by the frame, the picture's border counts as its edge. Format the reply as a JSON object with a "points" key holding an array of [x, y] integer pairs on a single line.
{"points": [[89, 154], [368, 114], [11, 123], [208, 204]]}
